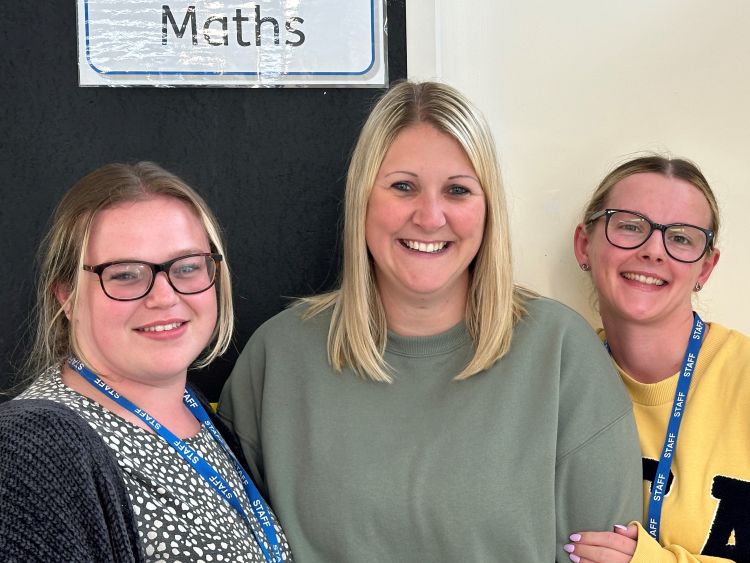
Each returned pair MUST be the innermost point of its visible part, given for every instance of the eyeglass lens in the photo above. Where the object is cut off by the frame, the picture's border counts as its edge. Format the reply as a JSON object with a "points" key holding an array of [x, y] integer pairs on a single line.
{"points": [[131, 280], [682, 242]]}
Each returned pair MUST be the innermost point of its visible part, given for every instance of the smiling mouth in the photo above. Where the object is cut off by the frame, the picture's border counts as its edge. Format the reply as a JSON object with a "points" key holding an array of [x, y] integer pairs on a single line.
{"points": [[161, 328], [648, 280], [427, 247]]}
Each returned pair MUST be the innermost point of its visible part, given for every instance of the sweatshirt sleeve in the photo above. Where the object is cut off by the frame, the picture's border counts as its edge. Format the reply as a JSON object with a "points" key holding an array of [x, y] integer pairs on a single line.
{"points": [[598, 477], [240, 405], [599, 484], [648, 550]]}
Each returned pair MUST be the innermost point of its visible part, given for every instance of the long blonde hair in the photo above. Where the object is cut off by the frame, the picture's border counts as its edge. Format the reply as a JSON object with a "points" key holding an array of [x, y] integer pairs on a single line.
{"points": [[358, 330], [62, 250]]}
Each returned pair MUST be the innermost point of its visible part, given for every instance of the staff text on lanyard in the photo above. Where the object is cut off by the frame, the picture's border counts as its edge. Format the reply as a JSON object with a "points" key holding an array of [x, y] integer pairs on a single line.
{"points": [[658, 486], [205, 470]]}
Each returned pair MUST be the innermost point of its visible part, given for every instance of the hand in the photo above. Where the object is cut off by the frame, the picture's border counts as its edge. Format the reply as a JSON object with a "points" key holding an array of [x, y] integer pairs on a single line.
{"points": [[603, 547]]}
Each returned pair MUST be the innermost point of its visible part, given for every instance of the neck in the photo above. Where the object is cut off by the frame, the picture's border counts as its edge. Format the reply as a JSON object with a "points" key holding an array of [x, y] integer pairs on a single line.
{"points": [[649, 352], [163, 401], [424, 316]]}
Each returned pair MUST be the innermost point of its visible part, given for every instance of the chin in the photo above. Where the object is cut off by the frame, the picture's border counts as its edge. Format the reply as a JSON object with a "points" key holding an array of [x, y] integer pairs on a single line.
{"points": [[643, 315], [429, 285], [166, 368]]}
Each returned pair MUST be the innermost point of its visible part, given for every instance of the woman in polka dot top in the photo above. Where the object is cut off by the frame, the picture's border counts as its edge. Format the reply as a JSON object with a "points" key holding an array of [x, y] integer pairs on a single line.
{"points": [[106, 456]]}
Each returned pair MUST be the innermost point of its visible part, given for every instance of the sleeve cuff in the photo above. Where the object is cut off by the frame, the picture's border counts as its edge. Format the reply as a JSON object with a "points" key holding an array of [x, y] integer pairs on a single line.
{"points": [[648, 550]]}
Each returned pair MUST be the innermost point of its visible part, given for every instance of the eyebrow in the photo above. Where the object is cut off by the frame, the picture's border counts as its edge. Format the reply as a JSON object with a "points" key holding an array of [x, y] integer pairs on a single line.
{"points": [[401, 172], [414, 175], [184, 252]]}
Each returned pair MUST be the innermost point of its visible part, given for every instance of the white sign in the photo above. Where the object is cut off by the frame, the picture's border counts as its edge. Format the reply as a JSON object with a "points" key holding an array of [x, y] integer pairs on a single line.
{"points": [[232, 43]]}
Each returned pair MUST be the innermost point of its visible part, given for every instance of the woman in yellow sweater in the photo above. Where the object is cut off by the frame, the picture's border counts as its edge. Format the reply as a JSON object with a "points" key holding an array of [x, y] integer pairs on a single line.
{"points": [[648, 239]]}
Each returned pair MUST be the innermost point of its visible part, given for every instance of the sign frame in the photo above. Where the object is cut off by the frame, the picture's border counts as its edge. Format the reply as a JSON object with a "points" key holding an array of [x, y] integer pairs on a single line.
{"points": [[373, 75]]}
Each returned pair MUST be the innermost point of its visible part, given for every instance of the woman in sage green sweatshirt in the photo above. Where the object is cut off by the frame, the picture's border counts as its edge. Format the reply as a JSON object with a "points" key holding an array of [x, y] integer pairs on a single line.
{"points": [[429, 409]]}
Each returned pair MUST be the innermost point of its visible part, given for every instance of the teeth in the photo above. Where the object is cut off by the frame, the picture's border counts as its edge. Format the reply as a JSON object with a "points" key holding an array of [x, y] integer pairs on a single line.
{"points": [[425, 247], [161, 328], [648, 280]]}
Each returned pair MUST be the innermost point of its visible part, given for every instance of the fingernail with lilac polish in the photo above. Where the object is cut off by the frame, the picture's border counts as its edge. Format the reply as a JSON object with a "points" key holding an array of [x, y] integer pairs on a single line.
{"points": [[620, 527], [569, 547], [574, 558], [575, 537]]}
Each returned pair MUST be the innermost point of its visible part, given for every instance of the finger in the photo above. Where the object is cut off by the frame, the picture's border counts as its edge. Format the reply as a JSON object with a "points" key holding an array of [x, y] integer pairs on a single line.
{"points": [[609, 540], [602, 539], [630, 531], [583, 553]]}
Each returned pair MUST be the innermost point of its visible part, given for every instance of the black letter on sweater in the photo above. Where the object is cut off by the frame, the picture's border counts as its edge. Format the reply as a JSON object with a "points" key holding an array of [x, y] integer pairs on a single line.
{"points": [[649, 473], [731, 516]]}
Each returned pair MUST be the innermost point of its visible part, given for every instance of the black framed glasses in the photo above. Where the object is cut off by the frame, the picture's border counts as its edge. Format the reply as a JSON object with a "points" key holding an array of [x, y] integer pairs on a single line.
{"points": [[127, 280], [629, 229]]}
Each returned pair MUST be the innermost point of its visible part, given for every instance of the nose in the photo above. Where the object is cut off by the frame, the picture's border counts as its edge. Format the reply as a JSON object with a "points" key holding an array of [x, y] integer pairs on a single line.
{"points": [[429, 213], [162, 294], [653, 248]]}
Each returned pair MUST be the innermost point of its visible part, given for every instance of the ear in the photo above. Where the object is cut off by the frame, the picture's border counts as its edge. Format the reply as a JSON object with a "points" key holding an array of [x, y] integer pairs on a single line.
{"points": [[709, 263], [581, 244], [62, 294]]}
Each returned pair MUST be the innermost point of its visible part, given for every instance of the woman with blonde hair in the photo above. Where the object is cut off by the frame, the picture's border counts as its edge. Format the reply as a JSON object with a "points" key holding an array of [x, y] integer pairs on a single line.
{"points": [[107, 456], [648, 238], [428, 409]]}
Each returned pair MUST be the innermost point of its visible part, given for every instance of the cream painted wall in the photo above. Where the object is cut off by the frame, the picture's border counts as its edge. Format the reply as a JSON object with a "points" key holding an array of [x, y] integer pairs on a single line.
{"points": [[572, 88]]}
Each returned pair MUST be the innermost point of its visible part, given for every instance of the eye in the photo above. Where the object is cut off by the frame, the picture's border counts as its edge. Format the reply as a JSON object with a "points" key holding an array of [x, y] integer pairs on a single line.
{"points": [[402, 186], [630, 226], [187, 268], [123, 273], [680, 236], [458, 190]]}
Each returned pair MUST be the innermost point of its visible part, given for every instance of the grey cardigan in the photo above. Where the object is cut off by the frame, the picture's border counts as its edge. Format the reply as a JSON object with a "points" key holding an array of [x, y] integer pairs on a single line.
{"points": [[61, 494]]}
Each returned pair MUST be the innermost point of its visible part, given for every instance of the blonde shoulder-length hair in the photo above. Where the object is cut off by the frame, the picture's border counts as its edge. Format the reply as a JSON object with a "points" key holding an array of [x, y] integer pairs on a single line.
{"points": [[358, 330], [62, 252]]}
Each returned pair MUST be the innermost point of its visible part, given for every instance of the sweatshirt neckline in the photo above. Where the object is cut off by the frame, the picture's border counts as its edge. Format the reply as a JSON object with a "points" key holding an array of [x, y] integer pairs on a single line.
{"points": [[661, 392], [420, 346]]}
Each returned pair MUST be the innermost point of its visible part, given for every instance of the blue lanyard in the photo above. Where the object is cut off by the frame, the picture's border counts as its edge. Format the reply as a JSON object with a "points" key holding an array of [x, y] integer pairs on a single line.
{"points": [[659, 484], [205, 470]]}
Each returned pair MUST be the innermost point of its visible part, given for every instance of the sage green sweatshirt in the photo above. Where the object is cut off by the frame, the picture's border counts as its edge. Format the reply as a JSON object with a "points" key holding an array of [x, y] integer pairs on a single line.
{"points": [[500, 467]]}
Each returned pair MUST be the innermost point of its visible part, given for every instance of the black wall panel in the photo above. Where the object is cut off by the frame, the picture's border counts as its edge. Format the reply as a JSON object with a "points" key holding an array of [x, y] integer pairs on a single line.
{"points": [[271, 163]]}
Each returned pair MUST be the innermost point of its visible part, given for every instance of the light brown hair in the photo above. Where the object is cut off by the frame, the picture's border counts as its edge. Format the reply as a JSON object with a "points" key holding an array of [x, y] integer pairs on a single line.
{"points": [[679, 168], [62, 250]]}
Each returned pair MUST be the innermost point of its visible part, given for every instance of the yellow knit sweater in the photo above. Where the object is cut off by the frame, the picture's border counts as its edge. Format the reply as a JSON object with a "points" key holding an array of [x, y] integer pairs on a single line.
{"points": [[706, 511]]}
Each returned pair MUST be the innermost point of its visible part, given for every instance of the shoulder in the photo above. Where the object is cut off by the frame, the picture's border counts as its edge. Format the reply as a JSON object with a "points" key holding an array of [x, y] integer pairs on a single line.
{"points": [[58, 480], [546, 317], [554, 335], [592, 398], [40, 415], [52, 432], [729, 338], [546, 307], [293, 324], [285, 342], [727, 351]]}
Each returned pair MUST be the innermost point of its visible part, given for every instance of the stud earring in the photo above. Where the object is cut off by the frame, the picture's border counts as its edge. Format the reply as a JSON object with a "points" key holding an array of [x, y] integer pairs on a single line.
{"points": [[697, 287], [585, 267]]}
